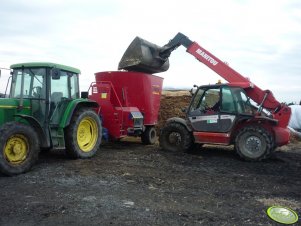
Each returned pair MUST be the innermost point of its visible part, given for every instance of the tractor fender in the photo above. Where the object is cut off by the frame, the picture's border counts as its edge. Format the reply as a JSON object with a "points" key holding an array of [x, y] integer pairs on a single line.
{"points": [[43, 138], [269, 124], [180, 121], [73, 106]]}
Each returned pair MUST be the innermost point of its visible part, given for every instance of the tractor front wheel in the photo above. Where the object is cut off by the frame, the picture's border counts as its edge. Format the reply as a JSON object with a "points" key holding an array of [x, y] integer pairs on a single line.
{"points": [[19, 145], [149, 135], [175, 137], [254, 143], [83, 135]]}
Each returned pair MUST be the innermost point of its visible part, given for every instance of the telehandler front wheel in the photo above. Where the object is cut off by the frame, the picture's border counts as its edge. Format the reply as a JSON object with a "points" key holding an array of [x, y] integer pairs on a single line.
{"points": [[175, 137], [19, 145], [149, 136], [254, 143], [83, 135]]}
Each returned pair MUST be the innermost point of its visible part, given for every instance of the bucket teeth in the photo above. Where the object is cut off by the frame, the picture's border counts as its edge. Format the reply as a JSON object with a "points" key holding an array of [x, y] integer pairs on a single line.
{"points": [[143, 56]]}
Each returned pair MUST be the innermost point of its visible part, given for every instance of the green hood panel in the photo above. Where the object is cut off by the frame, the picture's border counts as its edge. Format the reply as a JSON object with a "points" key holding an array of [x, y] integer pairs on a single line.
{"points": [[9, 107]]}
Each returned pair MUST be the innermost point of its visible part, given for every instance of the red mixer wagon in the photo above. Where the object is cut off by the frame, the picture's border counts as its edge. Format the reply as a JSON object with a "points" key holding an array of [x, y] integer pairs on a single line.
{"points": [[129, 103]]}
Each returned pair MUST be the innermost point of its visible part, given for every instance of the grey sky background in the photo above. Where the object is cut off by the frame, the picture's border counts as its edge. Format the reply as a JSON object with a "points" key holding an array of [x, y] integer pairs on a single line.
{"points": [[259, 39]]}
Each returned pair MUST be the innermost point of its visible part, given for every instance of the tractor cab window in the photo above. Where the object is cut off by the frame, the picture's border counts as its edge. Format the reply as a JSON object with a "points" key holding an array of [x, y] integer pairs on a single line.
{"points": [[59, 93], [242, 102], [195, 105], [205, 100], [66, 86], [34, 83], [227, 101], [234, 100], [211, 99], [59, 87], [74, 89], [63, 88]]}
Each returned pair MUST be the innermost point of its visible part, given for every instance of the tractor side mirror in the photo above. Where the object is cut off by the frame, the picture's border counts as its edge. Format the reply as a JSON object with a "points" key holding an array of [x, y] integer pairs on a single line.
{"points": [[55, 74], [193, 90]]}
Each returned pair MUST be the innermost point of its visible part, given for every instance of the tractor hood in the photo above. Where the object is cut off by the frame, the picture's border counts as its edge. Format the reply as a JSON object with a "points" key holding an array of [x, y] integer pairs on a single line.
{"points": [[10, 107], [143, 56]]}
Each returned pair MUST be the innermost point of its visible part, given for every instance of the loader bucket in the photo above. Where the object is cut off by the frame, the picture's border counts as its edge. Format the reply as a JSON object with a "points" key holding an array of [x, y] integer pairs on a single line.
{"points": [[143, 56]]}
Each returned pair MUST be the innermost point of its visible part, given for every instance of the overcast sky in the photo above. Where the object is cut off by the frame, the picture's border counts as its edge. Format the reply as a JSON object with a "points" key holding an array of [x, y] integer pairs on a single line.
{"points": [[261, 39]]}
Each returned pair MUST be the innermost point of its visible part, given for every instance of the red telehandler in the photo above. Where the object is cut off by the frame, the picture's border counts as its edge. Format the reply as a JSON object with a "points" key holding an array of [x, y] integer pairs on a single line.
{"points": [[222, 114]]}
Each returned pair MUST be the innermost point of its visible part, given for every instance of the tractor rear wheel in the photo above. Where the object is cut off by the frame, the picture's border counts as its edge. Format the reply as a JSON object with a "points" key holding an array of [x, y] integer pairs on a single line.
{"points": [[149, 135], [83, 135], [254, 143], [19, 146], [175, 137]]}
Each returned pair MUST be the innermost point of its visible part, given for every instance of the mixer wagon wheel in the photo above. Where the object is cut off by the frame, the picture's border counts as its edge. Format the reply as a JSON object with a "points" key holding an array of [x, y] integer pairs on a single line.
{"points": [[149, 135], [83, 135], [175, 137], [254, 143], [19, 145]]}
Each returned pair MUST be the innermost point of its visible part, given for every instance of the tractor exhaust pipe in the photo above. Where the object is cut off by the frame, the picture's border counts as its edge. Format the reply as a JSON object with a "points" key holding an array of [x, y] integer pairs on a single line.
{"points": [[143, 56]]}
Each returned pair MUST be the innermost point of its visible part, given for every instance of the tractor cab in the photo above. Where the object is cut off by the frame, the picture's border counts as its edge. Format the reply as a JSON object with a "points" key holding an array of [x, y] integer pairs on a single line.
{"points": [[40, 93], [215, 108], [44, 87]]}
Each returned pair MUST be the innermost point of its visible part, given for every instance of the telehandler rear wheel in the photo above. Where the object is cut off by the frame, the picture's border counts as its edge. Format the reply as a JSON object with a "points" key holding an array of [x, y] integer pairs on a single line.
{"points": [[175, 137], [83, 135], [254, 143], [149, 135], [19, 145]]}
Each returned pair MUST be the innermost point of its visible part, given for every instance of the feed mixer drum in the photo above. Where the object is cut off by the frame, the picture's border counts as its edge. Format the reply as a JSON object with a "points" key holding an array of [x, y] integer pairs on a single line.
{"points": [[136, 89]]}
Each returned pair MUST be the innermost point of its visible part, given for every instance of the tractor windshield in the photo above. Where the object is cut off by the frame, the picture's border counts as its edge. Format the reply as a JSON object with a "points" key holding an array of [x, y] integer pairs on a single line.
{"points": [[206, 98], [33, 83], [225, 99]]}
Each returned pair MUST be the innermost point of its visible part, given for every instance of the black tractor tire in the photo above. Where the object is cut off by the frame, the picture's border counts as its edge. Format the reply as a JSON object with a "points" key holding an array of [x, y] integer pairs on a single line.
{"points": [[83, 135], [149, 136], [176, 138], [19, 146], [254, 143]]}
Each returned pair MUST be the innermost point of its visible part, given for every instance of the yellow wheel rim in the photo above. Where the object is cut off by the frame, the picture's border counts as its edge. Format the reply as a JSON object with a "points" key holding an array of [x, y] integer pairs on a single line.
{"points": [[16, 149], [87, 134]]}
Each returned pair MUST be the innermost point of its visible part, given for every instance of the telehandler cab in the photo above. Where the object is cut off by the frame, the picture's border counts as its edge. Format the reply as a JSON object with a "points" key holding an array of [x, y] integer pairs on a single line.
{"points": [[218, 114], [44, 110]]}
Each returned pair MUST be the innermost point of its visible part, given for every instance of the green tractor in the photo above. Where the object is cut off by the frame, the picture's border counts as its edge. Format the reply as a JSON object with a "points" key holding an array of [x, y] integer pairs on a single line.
{"points": [[44, 111]]}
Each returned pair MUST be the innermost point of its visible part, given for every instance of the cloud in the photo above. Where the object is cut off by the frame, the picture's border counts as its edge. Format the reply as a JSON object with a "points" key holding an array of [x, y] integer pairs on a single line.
{"points": [[259, 39]]}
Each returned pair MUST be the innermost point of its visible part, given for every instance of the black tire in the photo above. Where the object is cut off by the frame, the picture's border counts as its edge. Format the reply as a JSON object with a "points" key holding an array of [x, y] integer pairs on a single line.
{"points": [[85, 144], [175, 137], [149, 136], [254, 143], [19, 145]]}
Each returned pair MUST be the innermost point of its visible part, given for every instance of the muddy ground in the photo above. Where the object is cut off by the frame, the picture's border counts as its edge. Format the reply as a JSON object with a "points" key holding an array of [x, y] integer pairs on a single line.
{"points": [[127, 183]]}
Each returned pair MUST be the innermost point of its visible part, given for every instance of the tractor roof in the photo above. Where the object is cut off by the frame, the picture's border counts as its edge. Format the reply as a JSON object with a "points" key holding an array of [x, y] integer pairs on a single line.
{"points": [[46, 64]]}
